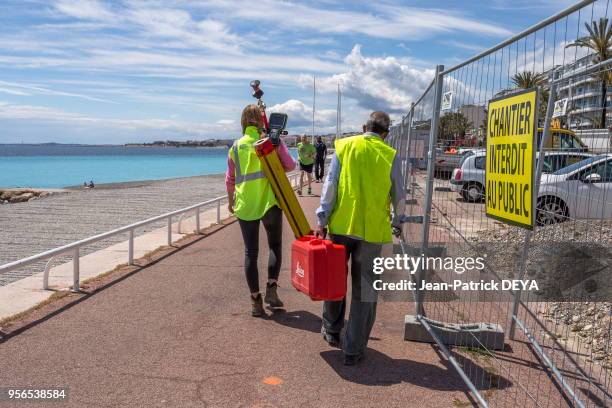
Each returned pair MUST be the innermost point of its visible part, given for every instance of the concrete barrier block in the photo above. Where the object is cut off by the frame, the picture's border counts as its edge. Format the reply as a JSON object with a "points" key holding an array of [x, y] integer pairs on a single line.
{"points": [[489, 335]]}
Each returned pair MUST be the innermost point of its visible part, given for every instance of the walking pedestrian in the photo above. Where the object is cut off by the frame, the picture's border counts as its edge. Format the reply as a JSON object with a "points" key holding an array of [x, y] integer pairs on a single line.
{"points": [[306, 157], [363, 180], [321, 148], [251, 200]]}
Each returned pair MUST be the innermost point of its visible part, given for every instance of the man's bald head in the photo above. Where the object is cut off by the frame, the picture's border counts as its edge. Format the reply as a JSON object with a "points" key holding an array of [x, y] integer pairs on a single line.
{"points": [[379, 122]]}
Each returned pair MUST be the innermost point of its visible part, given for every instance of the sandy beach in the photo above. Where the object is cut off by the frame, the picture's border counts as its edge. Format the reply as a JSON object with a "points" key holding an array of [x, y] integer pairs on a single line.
{"points": [[76, 213]]}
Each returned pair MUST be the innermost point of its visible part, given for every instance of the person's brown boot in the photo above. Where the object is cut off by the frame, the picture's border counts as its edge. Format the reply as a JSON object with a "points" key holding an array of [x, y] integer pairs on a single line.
{"points": [[257, 309], [271, 297]]}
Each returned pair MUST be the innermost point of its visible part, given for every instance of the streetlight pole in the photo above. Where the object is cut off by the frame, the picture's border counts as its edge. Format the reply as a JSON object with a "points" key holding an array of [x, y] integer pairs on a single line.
{"points": [[314, 102]]}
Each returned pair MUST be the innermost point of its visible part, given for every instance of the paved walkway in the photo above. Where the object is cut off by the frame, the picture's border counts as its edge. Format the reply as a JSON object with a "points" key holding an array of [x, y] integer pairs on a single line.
{"points": [[178, 334]]}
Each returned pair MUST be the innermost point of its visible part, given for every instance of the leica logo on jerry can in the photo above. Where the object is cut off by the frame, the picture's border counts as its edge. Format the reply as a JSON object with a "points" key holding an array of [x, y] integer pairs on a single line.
{"points": [[318, 268], [299, 271]]}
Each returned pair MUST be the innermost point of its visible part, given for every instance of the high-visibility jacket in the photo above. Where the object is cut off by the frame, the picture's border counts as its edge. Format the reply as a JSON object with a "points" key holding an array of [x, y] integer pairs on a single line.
{"points": [[362, 207], [253, 193], [306, 153]]}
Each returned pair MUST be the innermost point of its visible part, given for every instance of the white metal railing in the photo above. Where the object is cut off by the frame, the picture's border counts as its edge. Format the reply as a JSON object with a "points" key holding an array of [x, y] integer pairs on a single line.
{"points": [[75, 247]]}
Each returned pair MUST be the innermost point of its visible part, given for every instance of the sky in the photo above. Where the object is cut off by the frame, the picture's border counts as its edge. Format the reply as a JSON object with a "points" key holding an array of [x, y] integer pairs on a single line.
{"points": [[108, 72]]}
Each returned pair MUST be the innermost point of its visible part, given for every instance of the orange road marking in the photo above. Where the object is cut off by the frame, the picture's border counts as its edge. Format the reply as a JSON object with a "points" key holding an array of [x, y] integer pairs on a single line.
{"points": [[272, 380]]}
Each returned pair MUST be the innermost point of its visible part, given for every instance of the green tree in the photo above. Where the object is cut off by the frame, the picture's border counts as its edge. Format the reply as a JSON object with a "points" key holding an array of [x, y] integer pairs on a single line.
{"points": [[529, 79], [599, 41], [453, 125]]}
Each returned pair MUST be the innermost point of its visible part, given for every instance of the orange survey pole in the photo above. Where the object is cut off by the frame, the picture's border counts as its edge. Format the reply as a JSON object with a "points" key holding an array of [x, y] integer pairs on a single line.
{"points": [[275, 173]]}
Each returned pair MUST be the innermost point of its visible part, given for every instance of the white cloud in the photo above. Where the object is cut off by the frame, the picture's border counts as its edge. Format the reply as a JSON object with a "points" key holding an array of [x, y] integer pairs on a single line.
{"points": [[315, 41], [176, 128], [216, 64], [17, 89], [382, 21], [530, 4], [153, 21], [376, 83], [178, 24], [300, 115], [12, 91], [85, 9], [27, 112], [464, 45]]}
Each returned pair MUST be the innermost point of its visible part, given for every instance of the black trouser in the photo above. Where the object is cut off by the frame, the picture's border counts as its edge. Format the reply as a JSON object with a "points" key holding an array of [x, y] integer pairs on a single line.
{"points": [[363, 296], [319, 167], [273, 224]]}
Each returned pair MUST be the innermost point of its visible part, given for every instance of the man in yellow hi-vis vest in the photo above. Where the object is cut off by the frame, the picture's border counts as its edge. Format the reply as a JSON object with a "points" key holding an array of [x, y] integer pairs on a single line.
{"points": [[363, 181]]}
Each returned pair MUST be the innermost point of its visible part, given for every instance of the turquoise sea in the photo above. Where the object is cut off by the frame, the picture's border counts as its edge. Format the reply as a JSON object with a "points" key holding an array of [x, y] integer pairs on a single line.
{"points": [[57, 166]]}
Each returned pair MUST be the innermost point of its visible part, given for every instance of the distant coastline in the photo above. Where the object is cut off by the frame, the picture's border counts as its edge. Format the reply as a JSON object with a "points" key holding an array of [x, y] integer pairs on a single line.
{"points": [[218, 143], [221, 143], [59, 144]]}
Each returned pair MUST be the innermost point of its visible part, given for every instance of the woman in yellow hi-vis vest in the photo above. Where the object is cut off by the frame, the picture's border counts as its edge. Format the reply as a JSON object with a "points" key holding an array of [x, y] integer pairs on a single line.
{"points": [[252, 200]]}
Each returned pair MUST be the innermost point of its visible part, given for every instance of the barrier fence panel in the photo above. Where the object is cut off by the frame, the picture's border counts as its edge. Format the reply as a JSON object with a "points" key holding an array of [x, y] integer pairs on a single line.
{"points": [[517, 345]]}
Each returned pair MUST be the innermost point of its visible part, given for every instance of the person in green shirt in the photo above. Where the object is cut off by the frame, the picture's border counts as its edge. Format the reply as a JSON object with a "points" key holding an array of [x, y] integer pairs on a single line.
{"points": [[306, 158]]}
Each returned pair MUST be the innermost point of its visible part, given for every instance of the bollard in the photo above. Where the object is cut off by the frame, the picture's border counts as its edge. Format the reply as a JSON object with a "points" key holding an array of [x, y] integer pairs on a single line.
{"points": [[197, 220], [169, 231], [76, 286], [131, 248]]}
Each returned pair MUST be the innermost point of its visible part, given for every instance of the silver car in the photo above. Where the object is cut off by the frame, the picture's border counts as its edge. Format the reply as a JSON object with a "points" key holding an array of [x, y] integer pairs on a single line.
{"points": [[582, 190], [469, 178]]}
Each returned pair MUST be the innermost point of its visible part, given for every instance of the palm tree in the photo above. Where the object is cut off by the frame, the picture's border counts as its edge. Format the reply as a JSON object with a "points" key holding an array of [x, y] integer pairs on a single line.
{"points": [[599, 41], [530, 79]]}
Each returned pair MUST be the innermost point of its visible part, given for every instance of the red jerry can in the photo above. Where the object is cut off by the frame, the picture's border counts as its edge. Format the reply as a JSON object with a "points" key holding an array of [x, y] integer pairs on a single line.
{"points": [[318, 268]]}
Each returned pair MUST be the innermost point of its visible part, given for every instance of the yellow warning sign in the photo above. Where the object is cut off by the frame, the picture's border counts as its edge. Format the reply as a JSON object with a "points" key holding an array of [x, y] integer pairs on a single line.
{"points": [[510, 164]]}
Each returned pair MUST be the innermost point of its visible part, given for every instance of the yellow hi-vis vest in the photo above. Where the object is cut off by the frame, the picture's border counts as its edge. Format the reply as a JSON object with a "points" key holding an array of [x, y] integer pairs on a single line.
{"points": [[362, 206], [254, 195]]}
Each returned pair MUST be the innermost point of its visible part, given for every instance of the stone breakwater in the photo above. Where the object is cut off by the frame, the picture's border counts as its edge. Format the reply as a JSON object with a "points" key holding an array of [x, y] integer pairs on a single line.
{"points": [[22, 196]]}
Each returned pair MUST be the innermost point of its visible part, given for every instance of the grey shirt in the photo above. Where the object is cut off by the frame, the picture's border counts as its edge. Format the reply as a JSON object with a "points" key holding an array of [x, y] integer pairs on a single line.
{"points": [[330, 191]]}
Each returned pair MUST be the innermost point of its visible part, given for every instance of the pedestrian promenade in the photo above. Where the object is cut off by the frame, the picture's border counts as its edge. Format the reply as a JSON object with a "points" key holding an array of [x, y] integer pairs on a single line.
{"points": [[178, 333]]}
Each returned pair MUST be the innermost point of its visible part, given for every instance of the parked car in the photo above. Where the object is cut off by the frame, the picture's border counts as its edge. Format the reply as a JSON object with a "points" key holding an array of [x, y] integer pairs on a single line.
{"points": [[582, 190], [469, 179], [447, 162]]}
